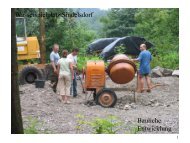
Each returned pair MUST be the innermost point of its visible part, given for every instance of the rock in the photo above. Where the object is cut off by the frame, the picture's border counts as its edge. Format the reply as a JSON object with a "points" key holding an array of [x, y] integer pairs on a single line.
{"points": [[90, 103], [126, 107], [21, 92], [133, 105], [153, 101], [167, 72], [175, 73], [157, 72], [161, 104], [157, 104]]}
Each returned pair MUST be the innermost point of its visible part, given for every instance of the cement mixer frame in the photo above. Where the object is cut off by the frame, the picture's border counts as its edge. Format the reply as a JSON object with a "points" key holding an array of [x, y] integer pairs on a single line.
{"points": [[121, 70]]}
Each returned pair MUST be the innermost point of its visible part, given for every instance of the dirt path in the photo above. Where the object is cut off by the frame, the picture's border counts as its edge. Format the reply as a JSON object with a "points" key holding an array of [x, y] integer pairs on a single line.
{"points": [[162, 103]]}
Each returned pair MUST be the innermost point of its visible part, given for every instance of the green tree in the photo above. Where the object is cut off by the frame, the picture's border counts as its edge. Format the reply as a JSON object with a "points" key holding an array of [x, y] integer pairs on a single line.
{"points": [[42, 36], [68, 32], [161, 27], [32, 22], [119, 22]]}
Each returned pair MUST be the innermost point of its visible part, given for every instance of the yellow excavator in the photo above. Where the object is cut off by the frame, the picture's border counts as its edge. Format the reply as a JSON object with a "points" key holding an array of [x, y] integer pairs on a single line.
{"points": [[28, 50]]}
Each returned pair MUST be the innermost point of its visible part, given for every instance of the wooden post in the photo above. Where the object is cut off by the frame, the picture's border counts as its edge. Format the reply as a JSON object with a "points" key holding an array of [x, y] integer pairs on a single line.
{"points": [[138, 89], [135, 98]]}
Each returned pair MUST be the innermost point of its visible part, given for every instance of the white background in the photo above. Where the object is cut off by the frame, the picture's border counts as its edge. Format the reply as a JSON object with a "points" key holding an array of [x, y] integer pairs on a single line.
{"points": [[5, 71]]}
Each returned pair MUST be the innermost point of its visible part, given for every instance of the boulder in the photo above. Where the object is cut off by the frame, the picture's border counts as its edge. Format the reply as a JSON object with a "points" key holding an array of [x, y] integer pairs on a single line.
{"points": [[160, 72], [175, 73], [167, 72], [157, 72]]}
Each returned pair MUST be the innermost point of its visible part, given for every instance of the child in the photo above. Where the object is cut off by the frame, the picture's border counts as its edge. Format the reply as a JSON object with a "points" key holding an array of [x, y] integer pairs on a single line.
{"points": [[144, 58]]}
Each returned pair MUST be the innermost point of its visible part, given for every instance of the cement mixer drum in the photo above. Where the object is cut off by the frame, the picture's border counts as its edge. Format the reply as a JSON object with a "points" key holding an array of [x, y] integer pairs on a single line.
{"points": [[121, 69]]}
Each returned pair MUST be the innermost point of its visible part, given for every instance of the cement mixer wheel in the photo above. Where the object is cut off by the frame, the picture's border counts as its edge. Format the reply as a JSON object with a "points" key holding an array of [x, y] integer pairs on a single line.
{"points": [[106, 98]]}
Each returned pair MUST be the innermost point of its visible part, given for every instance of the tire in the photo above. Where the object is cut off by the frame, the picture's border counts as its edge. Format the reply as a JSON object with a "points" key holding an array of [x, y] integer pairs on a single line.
{"points": [[106, 98], [29, 74]]}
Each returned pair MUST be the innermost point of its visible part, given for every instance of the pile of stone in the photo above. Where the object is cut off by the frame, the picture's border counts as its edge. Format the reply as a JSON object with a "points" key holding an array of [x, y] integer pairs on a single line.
{"points": [[162, 72]]}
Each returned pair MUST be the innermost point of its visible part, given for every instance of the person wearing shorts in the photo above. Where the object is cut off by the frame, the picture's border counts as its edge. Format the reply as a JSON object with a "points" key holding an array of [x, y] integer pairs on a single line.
{"points": [[144, 58], [65, 76]]}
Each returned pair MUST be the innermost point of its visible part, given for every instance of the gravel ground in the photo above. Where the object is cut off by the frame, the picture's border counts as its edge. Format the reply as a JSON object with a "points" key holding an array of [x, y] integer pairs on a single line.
{"points": [[55, 117]]}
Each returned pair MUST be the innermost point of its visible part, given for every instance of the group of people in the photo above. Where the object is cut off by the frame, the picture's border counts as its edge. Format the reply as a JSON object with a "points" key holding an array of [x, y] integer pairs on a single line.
{"points": [[63, 77], [64, 71]]}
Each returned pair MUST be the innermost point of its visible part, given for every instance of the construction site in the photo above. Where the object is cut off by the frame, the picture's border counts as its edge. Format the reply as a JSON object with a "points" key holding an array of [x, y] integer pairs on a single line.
{"points": [[122, 80]]}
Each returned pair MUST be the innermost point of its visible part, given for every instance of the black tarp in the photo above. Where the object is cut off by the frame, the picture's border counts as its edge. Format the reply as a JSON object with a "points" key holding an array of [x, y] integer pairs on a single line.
{"points": [[131, 44], [99, 45]]}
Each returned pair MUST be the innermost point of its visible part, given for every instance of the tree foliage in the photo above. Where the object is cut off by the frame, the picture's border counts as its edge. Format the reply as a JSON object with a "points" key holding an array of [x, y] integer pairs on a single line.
{"points": [[119, 22], [159, 26], [68, 32]]}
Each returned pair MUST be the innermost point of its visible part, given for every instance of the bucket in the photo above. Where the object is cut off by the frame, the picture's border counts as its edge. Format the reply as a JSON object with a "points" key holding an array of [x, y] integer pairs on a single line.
{"points": [[39, 83], [121, 69]]}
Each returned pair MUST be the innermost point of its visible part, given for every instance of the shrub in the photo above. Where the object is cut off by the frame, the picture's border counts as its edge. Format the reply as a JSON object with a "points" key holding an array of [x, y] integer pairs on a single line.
{"points": [[108, 125], [34, 126], [169, 60], [82, 60], [120, 49]]}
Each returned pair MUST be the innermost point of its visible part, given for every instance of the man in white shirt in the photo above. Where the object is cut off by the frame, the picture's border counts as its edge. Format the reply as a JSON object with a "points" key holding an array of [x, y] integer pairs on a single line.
{"points": [[73, 58]]}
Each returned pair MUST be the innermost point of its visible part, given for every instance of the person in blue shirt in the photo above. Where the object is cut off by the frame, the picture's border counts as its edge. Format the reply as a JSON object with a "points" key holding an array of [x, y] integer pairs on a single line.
{"points": [[144, 58], [54, 58]]}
